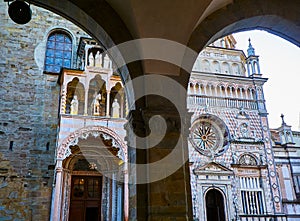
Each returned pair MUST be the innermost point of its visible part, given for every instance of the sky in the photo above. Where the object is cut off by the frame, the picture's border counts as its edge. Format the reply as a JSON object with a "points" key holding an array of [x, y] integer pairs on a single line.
{"points": [[279, 62]]}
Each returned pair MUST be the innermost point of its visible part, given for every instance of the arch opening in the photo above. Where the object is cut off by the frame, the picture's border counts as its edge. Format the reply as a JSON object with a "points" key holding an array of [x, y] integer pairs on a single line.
{"points": [[214, 202]]}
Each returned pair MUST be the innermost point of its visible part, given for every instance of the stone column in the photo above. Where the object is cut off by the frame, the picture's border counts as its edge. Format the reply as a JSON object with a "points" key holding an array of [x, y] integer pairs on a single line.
{"points": [[114, 197], [122, 104], [86, 94], [86, 51], [107, 103], [137, 193], [57, 193], [169, 197]]}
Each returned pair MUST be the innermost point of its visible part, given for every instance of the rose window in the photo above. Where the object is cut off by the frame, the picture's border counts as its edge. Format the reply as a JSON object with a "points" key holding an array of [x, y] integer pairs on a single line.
{"points": [[209, 135]]}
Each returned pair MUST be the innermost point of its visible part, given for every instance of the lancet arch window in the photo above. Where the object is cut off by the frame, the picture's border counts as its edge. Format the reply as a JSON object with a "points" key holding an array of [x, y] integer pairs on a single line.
{"points": [[58, 52]]}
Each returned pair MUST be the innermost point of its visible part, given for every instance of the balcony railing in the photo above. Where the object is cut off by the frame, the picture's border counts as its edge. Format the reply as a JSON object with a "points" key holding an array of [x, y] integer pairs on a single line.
{"points": [[202, 100]]}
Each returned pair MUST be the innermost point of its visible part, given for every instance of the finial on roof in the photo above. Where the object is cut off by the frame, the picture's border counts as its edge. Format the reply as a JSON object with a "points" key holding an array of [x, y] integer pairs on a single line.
{"points": [[250, 50], [282, 119]]}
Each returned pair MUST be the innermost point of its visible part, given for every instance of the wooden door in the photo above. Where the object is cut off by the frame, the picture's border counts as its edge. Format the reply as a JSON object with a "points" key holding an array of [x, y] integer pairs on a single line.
{"points": [[86, 197]]}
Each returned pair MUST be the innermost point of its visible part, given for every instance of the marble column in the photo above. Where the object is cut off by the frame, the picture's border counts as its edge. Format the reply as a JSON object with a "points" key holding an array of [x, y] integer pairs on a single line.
{"points": [[86, 95], [57, 193], [107, 103]]}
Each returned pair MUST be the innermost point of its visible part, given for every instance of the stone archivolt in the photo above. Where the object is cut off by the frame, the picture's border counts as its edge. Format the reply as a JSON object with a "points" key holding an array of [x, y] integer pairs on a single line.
{"points": [[64, 151]]}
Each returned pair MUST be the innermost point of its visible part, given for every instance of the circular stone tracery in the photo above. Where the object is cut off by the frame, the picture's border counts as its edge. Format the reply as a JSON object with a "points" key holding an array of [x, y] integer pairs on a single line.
{"points": [[209, 135]]}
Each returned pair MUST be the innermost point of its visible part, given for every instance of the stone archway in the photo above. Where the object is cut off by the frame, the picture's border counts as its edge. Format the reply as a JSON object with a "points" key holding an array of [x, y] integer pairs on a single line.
{"points": [[97, 154]]}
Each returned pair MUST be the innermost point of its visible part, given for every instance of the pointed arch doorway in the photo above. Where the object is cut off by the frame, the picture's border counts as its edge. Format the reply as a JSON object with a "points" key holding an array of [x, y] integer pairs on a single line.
{"points": [[215, 209]]}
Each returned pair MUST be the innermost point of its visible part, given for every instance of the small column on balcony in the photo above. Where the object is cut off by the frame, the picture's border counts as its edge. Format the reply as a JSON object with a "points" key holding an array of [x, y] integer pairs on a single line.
{"points": [[108, 103], [87, 47], [205, 90], [86, 93], [63, 100], [122, 104], [241, 93]]}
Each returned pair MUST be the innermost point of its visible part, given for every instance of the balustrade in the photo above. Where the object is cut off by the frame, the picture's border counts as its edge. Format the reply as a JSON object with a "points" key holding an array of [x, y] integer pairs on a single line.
{"points": [[202, 100]]}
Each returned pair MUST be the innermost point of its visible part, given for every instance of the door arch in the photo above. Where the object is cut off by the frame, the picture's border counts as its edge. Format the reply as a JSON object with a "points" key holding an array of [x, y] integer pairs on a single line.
{"points": [[214, 203]]}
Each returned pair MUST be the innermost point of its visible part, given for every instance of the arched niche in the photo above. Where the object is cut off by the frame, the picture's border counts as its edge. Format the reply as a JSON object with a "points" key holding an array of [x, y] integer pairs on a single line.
{"points": [[225, 68], [74, 87], [97, 86], [216, 67], [235, 69], [117, 92], [205, 66]]}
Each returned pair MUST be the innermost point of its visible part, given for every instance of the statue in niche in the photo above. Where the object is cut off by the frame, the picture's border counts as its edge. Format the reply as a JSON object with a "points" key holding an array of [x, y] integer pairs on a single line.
{"points": [[106, 61], [242, 111], [96, 104], [234, 158], [115, 109], [98, 59], [244, 131], [234, 155], [91, 59], [74, 106]]}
